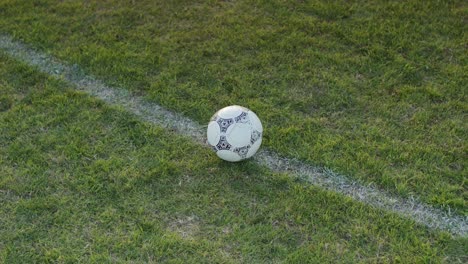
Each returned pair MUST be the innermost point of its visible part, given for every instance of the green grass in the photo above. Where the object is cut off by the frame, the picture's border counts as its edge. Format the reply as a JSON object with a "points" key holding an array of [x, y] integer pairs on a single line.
{"points": [[84, 182], [373, 90]]}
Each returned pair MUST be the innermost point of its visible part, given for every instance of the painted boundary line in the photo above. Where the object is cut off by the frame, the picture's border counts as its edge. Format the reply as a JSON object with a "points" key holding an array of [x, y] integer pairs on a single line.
{"points": [[411, 208]]}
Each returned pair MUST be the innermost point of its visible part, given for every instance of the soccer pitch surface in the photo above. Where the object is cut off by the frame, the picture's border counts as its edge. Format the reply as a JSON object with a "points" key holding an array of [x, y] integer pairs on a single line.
{"points": [[372, 92]]}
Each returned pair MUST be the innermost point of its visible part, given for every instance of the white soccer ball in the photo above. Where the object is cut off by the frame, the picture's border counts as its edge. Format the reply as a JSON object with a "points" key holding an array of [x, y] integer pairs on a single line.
{"points": [[235, 133]]}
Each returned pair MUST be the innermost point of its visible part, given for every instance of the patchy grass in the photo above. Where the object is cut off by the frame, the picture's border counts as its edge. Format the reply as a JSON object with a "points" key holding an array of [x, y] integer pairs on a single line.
{"points": [[373, 90], [84, 182]]}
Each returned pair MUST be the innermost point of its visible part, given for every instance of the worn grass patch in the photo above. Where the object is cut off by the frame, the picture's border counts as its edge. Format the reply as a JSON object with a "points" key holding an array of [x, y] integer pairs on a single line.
{"points": [[80, 181], [372, 90]]}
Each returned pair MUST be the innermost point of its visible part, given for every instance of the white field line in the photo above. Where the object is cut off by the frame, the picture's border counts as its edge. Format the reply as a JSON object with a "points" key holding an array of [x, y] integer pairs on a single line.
{"points": [[149, 111]]}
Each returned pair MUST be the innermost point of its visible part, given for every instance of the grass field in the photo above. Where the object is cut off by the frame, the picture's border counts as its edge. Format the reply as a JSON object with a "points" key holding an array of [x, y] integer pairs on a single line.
{"points": [[372, 90], [85, 182]]}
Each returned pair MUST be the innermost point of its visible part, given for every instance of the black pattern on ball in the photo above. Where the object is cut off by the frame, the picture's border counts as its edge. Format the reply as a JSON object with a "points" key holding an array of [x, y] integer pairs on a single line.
{"points": [[242, 152], [225, 123], [223, 144], [242, 118], [255, 136]]}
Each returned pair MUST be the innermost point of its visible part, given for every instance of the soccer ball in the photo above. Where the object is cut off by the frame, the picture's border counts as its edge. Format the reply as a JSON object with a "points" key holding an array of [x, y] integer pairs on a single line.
{"points": [[235, 133]]}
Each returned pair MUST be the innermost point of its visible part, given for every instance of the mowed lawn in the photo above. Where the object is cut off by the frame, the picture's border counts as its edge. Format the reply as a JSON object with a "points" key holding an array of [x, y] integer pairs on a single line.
{"points": [[374, 90], [83, 182]]}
